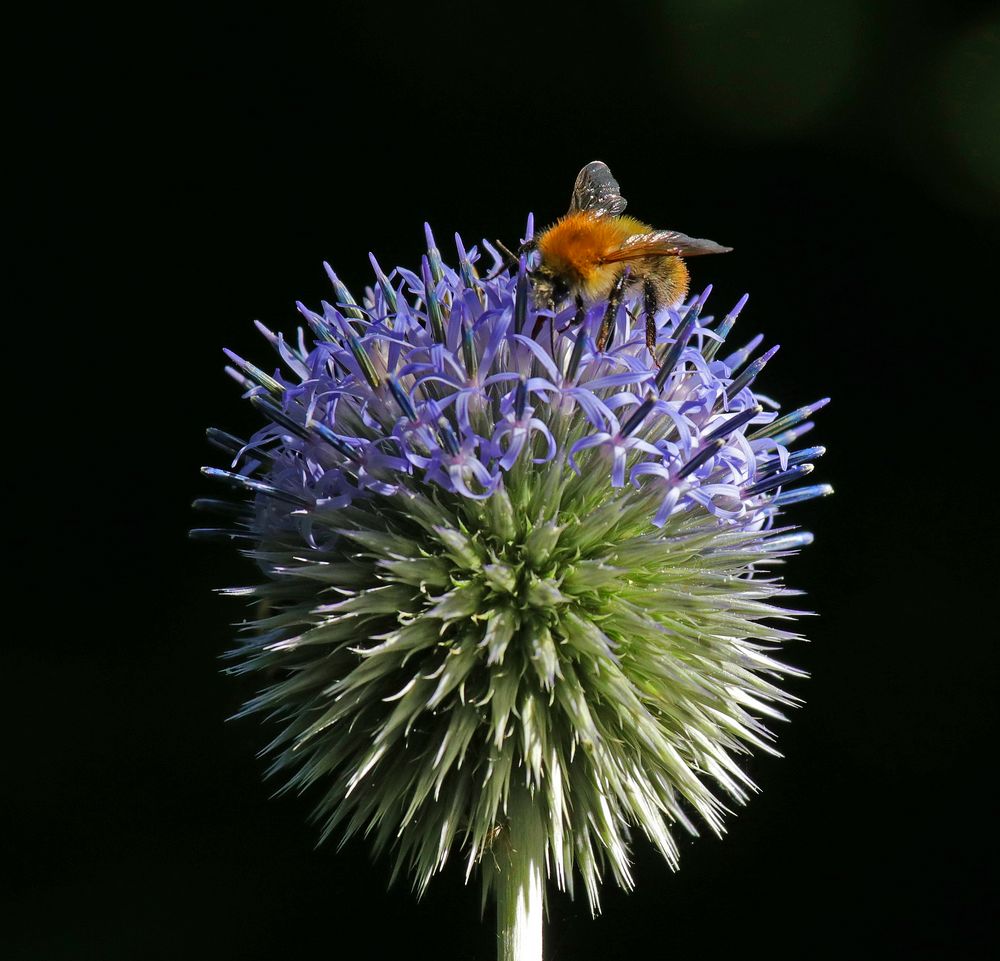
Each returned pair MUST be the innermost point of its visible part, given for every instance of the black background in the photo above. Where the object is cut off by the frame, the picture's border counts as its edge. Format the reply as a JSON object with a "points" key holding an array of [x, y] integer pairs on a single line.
{"points": [[185, 173]]}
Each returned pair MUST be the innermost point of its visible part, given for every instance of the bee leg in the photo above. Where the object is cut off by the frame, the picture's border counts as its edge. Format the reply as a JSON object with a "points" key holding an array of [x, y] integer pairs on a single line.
{"points": [[610, 315], [577, 317], [577, 320], [651, 302], [540, 320]]}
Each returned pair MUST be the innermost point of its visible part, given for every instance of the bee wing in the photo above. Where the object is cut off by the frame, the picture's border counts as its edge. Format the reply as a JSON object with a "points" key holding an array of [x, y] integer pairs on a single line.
{"points": [[596, 191], [663, 243]]}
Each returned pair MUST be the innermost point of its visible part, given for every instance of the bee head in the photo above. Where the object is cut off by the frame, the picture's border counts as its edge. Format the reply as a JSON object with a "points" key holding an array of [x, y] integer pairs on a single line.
{"points": [[547, 288]]}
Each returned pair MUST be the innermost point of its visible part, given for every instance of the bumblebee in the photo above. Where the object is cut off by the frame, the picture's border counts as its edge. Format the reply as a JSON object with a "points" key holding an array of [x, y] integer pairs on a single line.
{"points": [[594, 252]]}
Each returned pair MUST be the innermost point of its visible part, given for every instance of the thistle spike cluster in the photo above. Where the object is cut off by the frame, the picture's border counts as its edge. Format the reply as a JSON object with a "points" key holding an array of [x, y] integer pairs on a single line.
{"points": [[506, 571]]}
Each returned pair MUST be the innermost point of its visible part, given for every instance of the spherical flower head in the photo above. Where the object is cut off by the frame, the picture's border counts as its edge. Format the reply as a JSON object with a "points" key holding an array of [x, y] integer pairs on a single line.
{"points": [[515, 585]]}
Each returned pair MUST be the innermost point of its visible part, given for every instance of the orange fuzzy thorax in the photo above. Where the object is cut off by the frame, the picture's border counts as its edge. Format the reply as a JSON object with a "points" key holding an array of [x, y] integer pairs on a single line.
{"points": [[575, 246]]}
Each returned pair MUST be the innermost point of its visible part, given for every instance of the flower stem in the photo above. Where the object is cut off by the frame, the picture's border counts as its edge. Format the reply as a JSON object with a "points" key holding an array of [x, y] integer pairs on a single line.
{"points": [[520, 887]]}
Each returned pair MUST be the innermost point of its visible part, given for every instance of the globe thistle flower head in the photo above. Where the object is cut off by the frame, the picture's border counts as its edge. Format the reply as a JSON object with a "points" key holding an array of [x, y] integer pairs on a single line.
{"points": [[518, 590]]}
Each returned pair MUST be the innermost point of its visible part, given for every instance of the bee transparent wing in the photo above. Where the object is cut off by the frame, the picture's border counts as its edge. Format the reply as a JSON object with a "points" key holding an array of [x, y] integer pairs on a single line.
{"points": [[596, 191], [663, 243]]}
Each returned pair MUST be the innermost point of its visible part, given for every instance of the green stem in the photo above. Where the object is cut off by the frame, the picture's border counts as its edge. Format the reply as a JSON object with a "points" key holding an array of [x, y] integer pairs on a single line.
{"points": [[521, 887]]}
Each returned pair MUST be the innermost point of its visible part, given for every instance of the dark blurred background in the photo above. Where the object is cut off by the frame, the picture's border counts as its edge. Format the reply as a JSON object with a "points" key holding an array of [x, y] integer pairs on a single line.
{"points": [[186, 172]]}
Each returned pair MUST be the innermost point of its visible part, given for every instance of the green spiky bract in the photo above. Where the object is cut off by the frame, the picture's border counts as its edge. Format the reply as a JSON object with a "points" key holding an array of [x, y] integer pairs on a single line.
{"points": [[546, 641]]}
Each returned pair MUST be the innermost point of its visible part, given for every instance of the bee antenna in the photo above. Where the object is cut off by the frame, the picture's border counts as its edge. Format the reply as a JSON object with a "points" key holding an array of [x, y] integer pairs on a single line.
{"points": [[513, 262], [509, 254]]}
